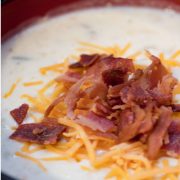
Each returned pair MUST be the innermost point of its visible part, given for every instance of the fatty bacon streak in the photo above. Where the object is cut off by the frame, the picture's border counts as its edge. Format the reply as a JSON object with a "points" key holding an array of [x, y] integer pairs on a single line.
{"points": [[107, 95]]}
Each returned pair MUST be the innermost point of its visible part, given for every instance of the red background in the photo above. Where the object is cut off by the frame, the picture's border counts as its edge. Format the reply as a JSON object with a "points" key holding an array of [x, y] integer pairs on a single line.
{"points": [[15, 12]]}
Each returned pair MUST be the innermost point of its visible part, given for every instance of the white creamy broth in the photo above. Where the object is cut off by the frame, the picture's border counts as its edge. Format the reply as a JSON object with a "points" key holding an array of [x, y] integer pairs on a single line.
{"points": [[53, 39]]}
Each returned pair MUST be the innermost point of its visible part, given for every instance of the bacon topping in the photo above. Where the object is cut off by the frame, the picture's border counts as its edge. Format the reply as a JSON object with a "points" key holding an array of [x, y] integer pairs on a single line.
{"points": [[155, 140], [71, 77], [19, 114], [52, 105], [130, 121], [95, 122], [114, 77], [47, 132], [173, 146], [107, 95], [175, 107], [85, 61]]}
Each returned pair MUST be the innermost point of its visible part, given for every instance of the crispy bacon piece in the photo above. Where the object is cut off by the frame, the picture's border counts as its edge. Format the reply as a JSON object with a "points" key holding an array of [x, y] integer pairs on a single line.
{"points": [[19, 114], [130, 122], [93, 73], [110, 62], [114, 76], [101, 108], [146, 86], [85, 61], [99, 89], [155, 72], [114, 101], [135, 94], [95, 122], [149, 121], [173, 146], [162, 93], [155, 140], [114, 91], [72, 97], [52, 105], [47, 132], [118, 70], [69, 76], [175, 107]]}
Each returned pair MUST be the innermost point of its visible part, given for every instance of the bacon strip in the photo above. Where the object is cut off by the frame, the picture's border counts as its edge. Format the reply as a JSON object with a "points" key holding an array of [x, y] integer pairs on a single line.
{"points": [[85, 61], [72, 97], [173, 146], [130, 121], [95, 122], [155, 140], [47, 132], [52, 105], [19, 114], [71, 77], [175, 107]]}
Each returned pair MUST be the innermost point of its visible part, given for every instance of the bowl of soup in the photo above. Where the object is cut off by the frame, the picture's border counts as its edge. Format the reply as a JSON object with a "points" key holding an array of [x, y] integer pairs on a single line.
{"points": [[35, 47]]}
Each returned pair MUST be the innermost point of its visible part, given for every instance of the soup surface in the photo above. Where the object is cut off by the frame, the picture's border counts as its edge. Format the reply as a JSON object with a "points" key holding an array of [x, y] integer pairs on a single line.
{"points": [[51, 40]]}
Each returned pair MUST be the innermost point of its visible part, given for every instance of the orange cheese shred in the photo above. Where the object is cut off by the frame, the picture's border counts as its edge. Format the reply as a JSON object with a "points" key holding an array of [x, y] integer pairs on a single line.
{"points": [[33, 83], [11, 90], [175, 55], [36, 161], [83, 135]]}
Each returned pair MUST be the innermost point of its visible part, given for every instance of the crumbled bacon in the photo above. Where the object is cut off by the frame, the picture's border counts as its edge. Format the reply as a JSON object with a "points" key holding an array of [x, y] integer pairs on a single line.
{"points": [[52, 105], [85, 61], [109, 62], [73, 96], [19, 114], [47, 132], [95, 122], [99, 89], [69, 76], [114, 76], [162, 93], [134, 93], [155, 140], [149, 121], [101, 108], [130, 122], [155, 72], [175, 107], [108, 96], [173, 146]]}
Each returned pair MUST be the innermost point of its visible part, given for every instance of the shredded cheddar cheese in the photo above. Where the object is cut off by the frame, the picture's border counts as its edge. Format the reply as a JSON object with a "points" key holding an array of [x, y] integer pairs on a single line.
{"points": [[80, 143], [12, 89], [85, 168], [58, 158], [33, 83], [47, 86], [31, 159], [83, 136], [175, 55]]}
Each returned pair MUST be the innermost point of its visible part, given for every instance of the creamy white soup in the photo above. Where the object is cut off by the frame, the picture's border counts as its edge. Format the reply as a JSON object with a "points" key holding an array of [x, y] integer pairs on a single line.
{"points": [[51, 40]]}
